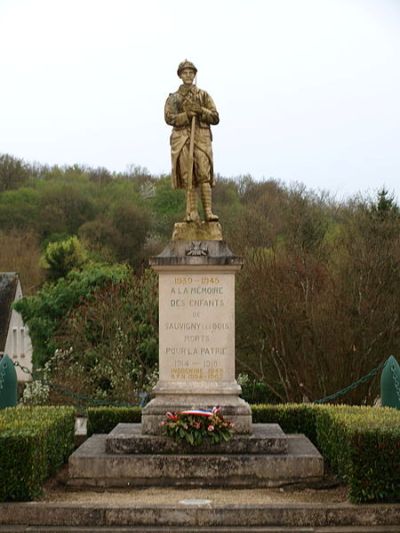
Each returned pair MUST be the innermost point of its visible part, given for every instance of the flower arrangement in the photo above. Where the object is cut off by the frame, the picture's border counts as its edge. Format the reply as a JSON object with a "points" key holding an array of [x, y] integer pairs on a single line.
{"points": [[197, 425]]}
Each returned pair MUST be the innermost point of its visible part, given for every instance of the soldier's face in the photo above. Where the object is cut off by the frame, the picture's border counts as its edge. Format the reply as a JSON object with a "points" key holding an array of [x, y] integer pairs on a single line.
{"points": [[187, 76]]}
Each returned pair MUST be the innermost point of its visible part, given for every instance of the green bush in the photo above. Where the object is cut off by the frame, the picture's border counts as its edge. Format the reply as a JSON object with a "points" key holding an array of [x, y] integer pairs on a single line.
{"points": [[104, 419], [255, 391], [47, 309], [292, 417], [362, 445], [61, 257], [34, 443]]}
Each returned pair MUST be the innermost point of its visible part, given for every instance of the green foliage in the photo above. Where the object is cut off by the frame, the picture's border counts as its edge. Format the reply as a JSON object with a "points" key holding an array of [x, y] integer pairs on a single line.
{"points": [[132, 223], [65, 205], [44, 311], [292, 417], [104, 419], [63, 256], [362, 445], [108, 344], [13, 172], [194, 429], [35, 442], [20, 209], [254, 391], [168, 206], [385, 206]]}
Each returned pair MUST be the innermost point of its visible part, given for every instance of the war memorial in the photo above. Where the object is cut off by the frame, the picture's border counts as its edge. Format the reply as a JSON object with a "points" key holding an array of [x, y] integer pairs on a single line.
{"points": [[196, 272]]}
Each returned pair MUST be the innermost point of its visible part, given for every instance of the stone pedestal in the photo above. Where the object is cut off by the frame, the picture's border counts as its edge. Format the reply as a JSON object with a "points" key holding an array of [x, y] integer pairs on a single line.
{"points": [[127, 458], [197, 370], [197, 333]]}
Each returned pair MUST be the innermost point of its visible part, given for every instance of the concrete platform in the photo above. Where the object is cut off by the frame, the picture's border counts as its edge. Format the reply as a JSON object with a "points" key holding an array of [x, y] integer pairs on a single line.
{"points": [[129, 439], [92, 466]]}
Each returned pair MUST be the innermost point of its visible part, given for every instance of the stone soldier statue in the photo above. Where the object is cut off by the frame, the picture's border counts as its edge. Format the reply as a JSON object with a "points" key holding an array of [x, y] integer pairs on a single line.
{"points": [[191, 111]]}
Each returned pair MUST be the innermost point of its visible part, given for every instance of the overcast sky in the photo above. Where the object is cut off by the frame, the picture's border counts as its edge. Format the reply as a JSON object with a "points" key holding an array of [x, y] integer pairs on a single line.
{"points": [[307, 90]]}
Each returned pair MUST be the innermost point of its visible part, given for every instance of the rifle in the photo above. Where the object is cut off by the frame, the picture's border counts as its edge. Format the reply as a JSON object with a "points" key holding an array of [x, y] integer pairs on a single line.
{"points": [[192, 214]]}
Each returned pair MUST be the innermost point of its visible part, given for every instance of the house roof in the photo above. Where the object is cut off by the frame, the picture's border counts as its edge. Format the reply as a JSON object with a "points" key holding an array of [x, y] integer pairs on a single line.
{"points": [[8, 287]]}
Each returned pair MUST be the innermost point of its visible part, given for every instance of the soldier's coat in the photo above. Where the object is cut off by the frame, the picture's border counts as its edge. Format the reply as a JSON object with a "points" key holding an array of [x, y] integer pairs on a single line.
{"points": [[175, 115]]}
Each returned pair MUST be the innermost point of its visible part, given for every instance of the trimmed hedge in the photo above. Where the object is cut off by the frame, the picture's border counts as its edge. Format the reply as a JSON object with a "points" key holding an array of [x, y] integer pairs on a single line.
{"points": [[34, 443], [362, 445], [104, 419], [292, 417]]}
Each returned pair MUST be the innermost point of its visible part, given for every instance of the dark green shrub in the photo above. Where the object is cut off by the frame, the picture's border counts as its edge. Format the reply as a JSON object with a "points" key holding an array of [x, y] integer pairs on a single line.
{"points": [[34, 442], [47, 309], [362, 445], [256, 392], [104, 419], [292, 417]]}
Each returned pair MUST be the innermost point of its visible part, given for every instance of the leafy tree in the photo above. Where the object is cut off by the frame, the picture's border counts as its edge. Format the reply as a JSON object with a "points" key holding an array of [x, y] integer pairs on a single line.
{"points": [[132, 223], [20, 209], [63, 256], [13, 172], [44, 311], [65, 206], [108, 344], [168, 206], [99, 236], [385, 207]]}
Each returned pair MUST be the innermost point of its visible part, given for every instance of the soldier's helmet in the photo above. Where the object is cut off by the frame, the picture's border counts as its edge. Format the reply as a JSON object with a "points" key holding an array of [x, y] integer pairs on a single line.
{"points": [[186, 64]]}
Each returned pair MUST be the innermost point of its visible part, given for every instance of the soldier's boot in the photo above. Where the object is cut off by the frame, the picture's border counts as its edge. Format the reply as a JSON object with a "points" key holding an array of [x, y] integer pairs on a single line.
{"points": [[192, 213], [206, 199]]}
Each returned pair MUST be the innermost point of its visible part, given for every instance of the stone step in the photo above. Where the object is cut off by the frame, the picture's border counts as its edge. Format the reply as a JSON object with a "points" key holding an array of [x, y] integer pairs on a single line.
{"points": [[129, 439], [92, 466], [300, 517], [45, 529]]}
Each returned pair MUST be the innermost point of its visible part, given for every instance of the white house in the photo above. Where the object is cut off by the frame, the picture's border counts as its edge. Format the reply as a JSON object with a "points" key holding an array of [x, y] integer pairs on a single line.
{"points": [[14, 335]]}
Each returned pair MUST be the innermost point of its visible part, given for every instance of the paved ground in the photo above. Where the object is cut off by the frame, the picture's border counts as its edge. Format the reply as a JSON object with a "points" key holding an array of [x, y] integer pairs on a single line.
{"points": [[326, 492]]}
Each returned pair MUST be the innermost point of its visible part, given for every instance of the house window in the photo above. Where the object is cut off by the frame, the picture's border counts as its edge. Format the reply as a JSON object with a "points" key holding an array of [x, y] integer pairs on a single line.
{"points": [[15, 342], [22, 337]]}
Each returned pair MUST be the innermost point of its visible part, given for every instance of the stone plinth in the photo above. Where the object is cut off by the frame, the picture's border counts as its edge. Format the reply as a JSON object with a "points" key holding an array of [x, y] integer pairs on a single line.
{"points": [[197, 333], [92, 466], [129, 439]]}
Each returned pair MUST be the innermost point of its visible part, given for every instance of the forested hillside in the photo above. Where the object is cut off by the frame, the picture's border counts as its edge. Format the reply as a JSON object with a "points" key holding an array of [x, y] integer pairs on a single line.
{"points": [[318, 300]]}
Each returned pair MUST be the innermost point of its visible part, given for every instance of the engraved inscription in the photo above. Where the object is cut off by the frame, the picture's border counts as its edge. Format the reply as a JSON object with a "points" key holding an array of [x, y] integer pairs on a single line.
{"points": [[197, 327]]}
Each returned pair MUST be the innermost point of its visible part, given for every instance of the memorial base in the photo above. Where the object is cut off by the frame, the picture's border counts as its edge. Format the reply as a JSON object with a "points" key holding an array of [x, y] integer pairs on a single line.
{"points": [[127, 458], [233, 408]]}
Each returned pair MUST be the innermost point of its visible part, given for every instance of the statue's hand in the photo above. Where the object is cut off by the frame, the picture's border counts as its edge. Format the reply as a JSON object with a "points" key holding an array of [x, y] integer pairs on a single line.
{"points": [[192, 109], [196, 108]]}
